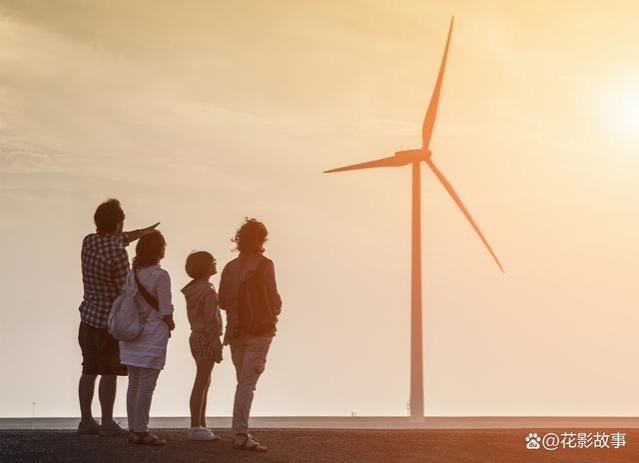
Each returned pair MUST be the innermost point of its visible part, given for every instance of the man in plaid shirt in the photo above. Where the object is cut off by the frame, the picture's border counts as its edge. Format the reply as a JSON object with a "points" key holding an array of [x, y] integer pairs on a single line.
{"points": [[105, 265]]}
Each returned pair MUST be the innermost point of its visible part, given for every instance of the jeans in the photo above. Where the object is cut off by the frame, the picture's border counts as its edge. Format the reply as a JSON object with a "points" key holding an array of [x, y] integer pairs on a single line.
{"points": [[138, 398], [249, 357]]}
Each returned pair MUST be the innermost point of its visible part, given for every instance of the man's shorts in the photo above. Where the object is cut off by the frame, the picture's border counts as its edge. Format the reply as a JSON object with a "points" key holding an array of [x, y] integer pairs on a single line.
{"points": [[100, 352]]}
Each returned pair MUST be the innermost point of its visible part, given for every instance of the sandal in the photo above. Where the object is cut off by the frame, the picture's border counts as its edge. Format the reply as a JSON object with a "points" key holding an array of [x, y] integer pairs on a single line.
{"points": [[249, 444], [146, 438]]}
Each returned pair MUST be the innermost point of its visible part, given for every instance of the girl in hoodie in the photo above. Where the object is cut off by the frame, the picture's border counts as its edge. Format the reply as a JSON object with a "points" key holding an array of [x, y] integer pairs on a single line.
{"points": [[206, 329]]}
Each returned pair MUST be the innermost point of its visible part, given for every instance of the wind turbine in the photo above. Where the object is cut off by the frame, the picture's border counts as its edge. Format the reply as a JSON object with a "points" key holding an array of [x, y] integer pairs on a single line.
{"points": [[414, 157]]}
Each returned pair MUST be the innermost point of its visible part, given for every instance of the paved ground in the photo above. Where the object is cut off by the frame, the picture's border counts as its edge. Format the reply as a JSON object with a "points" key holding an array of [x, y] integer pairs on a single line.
{"points": [[317, 446]]}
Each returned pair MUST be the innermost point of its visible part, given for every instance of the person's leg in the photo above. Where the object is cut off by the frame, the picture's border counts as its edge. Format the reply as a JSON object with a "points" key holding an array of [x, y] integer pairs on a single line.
{"points": [[86, 388], [237, 356], [131, 395], [205, 396], [86, 384], [109, 367], [146, 385], [198, 394], [252, 366], [106, 393]]}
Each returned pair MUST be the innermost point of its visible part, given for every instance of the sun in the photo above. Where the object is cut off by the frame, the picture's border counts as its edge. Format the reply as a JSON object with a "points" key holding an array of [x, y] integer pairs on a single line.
{"points": [[628, 113], [622, 113]]}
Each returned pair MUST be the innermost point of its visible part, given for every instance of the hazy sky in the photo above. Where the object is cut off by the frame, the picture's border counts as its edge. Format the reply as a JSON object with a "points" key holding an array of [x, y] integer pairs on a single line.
{"points": [[201, 113]]}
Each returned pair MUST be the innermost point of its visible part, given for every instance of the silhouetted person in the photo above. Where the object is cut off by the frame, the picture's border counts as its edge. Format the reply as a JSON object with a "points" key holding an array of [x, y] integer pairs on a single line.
{"points": [[145, 355], [105, 264], [206, 328], [248, 351]]}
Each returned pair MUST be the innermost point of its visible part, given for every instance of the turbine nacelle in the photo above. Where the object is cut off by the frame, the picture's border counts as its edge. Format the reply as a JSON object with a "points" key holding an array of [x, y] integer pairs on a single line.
{"points": [[413, 155]]}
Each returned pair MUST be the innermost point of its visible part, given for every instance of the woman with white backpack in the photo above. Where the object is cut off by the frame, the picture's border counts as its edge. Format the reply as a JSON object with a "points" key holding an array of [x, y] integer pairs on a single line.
{"points": [[145, 354]]}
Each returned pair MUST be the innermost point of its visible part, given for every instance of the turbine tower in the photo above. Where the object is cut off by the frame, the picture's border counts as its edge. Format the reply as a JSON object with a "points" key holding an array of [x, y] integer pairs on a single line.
{"points": [[414, 157]]}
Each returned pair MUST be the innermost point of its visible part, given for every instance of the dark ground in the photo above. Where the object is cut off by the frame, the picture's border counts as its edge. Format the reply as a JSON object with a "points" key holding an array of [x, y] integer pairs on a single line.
{"points": [[334, 446]]}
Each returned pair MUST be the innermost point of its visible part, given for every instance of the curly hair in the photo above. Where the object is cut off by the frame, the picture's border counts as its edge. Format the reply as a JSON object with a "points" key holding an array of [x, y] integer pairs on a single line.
{"points": [[149, 250], [108, 216], [198, 264], [250, 237]]}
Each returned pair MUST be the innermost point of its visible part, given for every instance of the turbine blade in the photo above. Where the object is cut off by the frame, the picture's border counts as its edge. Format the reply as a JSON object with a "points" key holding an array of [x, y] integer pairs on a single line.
{"points": [[431, 114], [391, 161], [456, 198]]}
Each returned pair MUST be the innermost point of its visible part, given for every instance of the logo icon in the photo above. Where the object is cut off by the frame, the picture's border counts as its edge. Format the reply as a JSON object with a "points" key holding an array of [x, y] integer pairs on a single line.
{"points": [[532, 441]]}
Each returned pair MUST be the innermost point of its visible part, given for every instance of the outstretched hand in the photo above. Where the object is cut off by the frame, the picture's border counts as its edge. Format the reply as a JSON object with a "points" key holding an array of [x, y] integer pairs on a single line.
{"points": [[147, 230]]}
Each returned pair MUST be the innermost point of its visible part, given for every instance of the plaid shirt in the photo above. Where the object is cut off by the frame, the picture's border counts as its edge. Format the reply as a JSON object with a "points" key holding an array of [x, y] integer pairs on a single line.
{"points": [[105, 265]]}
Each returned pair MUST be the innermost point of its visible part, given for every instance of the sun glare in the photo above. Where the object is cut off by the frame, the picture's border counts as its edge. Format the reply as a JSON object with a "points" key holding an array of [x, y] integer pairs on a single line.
{"points": [[622, 113]]}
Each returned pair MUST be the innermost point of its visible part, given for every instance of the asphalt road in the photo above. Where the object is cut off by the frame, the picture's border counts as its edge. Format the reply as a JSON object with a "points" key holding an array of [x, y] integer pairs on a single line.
{"points": [[317, 446]]}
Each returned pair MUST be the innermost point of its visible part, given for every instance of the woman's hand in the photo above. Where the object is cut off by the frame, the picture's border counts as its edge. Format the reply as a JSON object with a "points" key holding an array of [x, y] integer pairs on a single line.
{"points": [[168, 319]]}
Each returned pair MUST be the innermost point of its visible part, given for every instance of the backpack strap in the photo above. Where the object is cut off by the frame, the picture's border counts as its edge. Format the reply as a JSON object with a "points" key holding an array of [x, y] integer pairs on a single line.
{"points": [[148, 297], [261, 267]]}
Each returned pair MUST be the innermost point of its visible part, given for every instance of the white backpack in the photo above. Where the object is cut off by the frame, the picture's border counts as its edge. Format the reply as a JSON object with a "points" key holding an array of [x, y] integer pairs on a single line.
{"points": [[124, 322]]}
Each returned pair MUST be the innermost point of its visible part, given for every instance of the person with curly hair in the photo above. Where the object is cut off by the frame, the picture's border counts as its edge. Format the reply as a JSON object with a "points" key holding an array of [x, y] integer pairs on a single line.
{"points": [[248, 351]]}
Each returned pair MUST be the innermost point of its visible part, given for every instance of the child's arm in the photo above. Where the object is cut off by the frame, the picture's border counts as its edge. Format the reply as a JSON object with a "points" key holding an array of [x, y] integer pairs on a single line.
{"points": [[214, 323], [213, 319]]}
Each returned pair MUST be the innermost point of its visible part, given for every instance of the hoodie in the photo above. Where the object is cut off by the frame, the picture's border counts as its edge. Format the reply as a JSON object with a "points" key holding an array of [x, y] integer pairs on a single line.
{"points": [[202, 308]]}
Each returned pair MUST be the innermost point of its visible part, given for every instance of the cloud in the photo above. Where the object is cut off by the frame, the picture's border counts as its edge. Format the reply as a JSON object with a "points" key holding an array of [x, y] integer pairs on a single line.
{"points": [[20, 155]]}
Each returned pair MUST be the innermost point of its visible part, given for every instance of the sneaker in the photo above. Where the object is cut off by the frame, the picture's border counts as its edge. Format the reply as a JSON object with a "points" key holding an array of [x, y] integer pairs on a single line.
{"points": [[89, 428], [200, 433], [113, 429], [215, 436]]}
